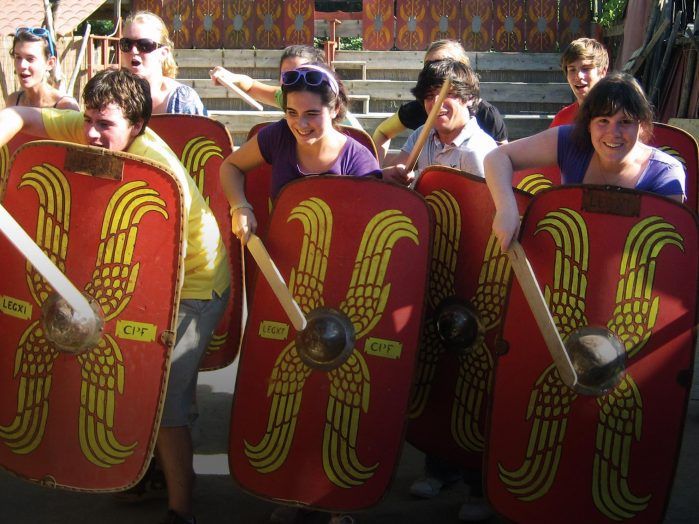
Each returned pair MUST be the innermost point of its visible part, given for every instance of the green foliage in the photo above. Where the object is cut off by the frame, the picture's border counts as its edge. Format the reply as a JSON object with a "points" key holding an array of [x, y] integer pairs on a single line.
{"points": [[347, 43], [612, 11], [99, 27]]}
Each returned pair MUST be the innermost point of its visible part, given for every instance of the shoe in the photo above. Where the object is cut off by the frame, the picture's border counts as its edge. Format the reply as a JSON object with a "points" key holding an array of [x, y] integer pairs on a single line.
{"points": [[173, 517], [426, 488], [475, 509], [288, 515], [152, 486], [339, 518]]}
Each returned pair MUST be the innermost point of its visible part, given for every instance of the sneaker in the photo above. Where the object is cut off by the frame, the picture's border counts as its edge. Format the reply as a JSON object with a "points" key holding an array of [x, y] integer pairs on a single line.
{"points": [[152, 486], [341, 519], [288, 515], [475, 509], [175, 518], [426, 488]]}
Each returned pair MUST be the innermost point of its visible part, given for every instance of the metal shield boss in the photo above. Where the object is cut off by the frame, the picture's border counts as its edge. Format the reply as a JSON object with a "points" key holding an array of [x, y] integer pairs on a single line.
{"points": [[112, 224], [320, 429], [468, 283], [201, 145], [615, 260]]}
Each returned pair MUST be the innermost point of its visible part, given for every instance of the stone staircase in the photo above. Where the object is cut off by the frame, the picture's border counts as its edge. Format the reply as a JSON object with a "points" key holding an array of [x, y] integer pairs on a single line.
{"points": [[527, 88]]}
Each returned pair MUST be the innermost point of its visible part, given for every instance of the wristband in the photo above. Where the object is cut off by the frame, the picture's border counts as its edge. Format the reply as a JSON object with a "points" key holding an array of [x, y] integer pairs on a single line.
{"points": [[246, 205]]}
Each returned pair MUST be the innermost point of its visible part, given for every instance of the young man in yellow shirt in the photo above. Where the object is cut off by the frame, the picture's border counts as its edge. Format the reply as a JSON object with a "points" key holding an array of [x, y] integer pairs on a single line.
{"points": [[117, 111]]}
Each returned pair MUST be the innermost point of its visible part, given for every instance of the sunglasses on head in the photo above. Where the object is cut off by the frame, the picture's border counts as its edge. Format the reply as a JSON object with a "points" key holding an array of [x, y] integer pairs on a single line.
{"points": [[144, 45], [41, 32], [311, 76]]}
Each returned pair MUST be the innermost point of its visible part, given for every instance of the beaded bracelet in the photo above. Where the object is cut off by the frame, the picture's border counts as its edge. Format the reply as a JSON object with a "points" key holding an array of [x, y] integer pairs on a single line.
{"points": [[246, 205]]}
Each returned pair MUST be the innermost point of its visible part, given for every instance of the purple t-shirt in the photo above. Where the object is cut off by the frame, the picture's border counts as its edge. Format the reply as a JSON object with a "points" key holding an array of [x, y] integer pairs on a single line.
{"points": [[664, 175], [278, 147]]}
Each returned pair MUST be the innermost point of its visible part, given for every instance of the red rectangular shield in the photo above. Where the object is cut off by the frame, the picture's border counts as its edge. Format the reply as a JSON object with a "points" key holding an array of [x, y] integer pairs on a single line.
{"points": [[338, 427], [88, 421], [608, 258]]}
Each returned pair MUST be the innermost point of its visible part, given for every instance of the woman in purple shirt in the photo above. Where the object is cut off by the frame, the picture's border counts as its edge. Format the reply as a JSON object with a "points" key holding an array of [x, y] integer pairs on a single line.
{"points": [[304, 143], [604, 146]]}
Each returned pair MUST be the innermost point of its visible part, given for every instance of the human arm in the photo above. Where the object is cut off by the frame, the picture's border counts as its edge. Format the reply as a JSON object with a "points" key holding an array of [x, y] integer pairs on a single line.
{"points": [[15, 119], [258, 90], [67, 102], [397, 173], [232, 176], [539, 150], [384, 132]]}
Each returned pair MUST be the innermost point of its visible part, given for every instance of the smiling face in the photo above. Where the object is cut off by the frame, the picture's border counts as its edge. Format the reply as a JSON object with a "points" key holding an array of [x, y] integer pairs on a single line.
{"points": [[31, 64], [307, 117], [453, 114], [582, 74], [107, 127], [613, 137], [145, 65]]}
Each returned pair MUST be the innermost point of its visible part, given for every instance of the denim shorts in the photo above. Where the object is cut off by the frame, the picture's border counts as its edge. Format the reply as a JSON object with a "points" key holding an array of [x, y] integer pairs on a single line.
{"points": [[196, 321]]}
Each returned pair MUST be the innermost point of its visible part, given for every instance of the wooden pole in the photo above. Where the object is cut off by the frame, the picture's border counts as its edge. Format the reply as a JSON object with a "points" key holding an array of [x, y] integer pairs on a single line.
{"points": [[422, 138]]}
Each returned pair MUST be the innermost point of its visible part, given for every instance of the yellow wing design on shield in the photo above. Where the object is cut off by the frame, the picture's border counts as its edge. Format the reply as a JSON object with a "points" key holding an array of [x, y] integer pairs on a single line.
{"points": [[621, 412], [33, 365], [290, 373], [195, 155], [114, 277], [286, 389], [364, 304], [102, 374], [53, 222], [35, 356], [475, 370], [445, 248], [550, 400]]}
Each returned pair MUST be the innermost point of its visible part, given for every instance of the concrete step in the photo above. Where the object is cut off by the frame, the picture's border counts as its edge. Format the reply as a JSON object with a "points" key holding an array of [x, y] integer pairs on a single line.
{"points": [[388, 95], [239, 123]]}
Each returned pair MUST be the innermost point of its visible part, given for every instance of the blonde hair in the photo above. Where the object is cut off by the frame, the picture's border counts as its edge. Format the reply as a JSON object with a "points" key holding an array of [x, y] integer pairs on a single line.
{"points": [[452, 47], [169, 64]]}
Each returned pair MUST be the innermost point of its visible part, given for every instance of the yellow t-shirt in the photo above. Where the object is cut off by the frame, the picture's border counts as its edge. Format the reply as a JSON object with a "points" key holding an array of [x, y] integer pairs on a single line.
{"points": [[205, 262]]}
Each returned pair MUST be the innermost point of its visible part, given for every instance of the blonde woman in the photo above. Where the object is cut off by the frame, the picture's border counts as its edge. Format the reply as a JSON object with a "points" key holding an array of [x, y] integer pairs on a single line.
{"points": [[146, 51], [34, 54]]}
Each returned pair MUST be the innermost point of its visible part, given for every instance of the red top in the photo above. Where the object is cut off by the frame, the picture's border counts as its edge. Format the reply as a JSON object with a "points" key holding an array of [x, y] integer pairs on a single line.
{"points": [[566, 115]]}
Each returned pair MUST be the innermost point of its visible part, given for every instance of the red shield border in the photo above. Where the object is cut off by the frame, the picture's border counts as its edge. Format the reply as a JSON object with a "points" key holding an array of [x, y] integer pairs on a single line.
{"points": [[448, 406], [202, 144], [680, 144], [368, 395], [597, 459], [92, 419]]}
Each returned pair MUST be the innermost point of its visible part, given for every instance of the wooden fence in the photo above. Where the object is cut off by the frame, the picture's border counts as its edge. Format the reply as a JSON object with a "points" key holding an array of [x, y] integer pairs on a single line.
{"points": [[409, 25]]}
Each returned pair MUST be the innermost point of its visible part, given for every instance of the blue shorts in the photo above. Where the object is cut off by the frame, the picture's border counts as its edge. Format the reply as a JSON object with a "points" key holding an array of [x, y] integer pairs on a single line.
{"points": [[196, 321]]}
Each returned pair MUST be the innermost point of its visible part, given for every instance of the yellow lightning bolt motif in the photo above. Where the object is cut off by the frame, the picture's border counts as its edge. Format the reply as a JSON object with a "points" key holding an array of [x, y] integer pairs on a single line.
{"points": [[35, 356], [364, 304], [102, 372], [534, 183], [621, 411], [476, 366], [113, 282], [53, 222], [673, 152], [550, 400], [33, 364], [4, 160], [290, 373], [636, 310], [114, 278], [445, 248], [195, 155]]}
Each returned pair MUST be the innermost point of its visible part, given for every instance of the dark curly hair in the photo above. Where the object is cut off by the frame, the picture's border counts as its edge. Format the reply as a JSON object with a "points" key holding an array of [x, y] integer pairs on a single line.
{"points": [[123, 88], [464, 81], [613, 93]]}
